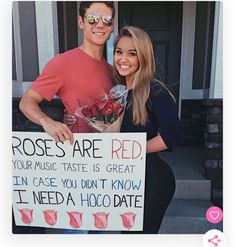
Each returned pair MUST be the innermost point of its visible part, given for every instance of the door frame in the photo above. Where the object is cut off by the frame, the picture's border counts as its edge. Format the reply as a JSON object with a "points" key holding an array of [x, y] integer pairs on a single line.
{"points": [[187, 52]]}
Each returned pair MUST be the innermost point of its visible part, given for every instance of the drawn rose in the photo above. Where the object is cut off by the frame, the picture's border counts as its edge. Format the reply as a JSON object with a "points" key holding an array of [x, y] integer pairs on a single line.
{"points": [[101, 220], [75, 219], [50, 217], [128, 219], [26, 215]]}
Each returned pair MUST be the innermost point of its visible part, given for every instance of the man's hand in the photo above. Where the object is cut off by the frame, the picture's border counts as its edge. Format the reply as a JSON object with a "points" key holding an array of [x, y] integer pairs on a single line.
{"points": [[29, 105], [69, 119], [59, 131]]}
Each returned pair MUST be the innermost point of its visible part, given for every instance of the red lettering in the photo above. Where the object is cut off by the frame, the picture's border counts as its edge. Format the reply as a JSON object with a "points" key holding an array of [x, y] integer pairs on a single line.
{"points": [[135, 146], [126, 149], [116, 146]]}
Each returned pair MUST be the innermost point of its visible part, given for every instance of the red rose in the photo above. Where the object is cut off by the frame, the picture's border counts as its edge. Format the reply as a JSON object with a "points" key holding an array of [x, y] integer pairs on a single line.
{"points": [[116, 107], [99, 103], [103, 110], [86, 112], [107, 109], [94, 111]]}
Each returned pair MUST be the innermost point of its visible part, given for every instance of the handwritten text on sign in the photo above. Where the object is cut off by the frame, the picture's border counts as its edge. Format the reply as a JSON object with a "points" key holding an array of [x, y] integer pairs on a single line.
{"points": [[97, 183]]}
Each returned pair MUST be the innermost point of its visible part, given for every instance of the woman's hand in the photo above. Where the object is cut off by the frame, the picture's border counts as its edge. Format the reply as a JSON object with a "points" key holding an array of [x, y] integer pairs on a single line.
{"points": [[156, 144], [69, 119]]}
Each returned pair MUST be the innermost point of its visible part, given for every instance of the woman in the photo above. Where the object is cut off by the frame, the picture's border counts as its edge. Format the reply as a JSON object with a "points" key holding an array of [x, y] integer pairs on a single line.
{"points": [[150, 108]]}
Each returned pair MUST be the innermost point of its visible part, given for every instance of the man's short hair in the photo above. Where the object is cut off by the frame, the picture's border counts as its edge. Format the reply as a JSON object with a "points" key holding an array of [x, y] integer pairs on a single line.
{"points": [[84, 5]]}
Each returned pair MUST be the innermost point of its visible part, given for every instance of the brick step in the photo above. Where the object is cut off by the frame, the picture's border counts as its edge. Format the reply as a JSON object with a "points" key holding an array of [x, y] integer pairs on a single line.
{"points": [[187, 163], [193, 189]]}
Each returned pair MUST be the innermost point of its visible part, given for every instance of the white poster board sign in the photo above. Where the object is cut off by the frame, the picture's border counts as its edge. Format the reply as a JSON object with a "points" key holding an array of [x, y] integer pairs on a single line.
{"points": [[97, 183]]}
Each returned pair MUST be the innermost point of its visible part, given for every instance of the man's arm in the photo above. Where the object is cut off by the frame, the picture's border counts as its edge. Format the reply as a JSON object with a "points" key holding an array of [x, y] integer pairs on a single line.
{"points": [[29, 105]]}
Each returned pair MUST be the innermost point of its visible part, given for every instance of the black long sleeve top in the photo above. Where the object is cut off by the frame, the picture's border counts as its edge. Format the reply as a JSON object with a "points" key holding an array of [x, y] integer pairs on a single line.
{"points": [[162, 116]]}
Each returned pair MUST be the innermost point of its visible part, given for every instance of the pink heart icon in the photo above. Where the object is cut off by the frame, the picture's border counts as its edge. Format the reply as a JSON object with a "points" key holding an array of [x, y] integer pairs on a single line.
{"points": [[214, 215]]}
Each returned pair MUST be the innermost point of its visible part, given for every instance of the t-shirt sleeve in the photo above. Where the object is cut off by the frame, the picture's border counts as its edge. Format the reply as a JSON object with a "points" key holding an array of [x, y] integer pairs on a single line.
{"points": [[164, 110], [50, 81]]}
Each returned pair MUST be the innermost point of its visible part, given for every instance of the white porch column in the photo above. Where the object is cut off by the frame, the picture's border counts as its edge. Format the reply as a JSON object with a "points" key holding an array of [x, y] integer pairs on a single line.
{"points": [[47, 31], [112, 36], [216, 83], [17, 40], [187, 54]]}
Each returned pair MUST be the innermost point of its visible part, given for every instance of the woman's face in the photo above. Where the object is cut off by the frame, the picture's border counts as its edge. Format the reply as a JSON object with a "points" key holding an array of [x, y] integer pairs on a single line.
{"points": [[126, 60]]}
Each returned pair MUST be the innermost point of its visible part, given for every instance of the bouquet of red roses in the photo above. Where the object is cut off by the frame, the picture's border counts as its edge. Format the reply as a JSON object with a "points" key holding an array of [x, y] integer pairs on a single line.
{"points": [[104, 113]]}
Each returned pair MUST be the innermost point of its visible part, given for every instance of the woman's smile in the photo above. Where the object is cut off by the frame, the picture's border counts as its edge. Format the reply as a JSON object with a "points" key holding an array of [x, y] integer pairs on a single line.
{"points": [[125, 66]]}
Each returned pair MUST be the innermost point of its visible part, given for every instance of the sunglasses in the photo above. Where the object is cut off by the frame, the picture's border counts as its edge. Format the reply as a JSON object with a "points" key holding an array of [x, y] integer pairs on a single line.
{"points": [[95, 18]]}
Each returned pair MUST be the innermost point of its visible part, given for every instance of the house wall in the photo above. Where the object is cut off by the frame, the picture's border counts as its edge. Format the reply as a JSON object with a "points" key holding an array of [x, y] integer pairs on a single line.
{"points": [[46, 30], [202, 121], [216, 89]]}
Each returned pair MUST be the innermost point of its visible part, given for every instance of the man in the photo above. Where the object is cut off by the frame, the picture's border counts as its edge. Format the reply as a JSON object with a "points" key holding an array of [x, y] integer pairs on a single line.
{"points": [[76, 74]]}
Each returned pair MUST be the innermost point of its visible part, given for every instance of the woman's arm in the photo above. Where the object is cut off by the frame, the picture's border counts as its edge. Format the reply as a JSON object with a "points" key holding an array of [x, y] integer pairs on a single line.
{"points": [[156, 144], [164, 109]]}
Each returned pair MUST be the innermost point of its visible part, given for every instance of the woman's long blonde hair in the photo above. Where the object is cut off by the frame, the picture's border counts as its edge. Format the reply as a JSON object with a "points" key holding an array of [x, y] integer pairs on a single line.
{"points": [[144, 74]]}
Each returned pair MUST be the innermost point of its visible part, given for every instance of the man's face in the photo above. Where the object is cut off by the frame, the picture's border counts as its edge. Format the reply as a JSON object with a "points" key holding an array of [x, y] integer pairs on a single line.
{"points": [[97, 33]]}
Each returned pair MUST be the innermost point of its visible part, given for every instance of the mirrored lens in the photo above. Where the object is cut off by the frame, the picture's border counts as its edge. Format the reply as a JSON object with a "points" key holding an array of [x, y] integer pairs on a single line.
{"points": [[107, 20], [94, 18]]}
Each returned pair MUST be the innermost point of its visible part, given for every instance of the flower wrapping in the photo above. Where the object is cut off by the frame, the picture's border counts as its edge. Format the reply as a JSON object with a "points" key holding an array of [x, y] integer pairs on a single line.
{"points": [[104, 112]]}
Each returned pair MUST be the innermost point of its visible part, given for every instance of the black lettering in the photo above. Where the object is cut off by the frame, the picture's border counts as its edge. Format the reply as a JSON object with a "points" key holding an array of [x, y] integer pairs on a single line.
{"points": [[94, 148], [25, 144], [127, 201], [76, 148], [70, 198], [85, 149], [38, 145], [116, 201], [48, 197], [19, 193], [16, 145], [48, 147], [136, 201], [63, 152]]}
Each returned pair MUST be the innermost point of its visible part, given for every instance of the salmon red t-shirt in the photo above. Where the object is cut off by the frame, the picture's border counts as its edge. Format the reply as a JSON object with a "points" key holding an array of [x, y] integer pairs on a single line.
{"points": [[75, 77]]}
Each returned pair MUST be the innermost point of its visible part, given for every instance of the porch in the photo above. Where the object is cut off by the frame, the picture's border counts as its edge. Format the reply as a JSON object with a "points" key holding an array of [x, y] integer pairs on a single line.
{"points": [[187, 212]]}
